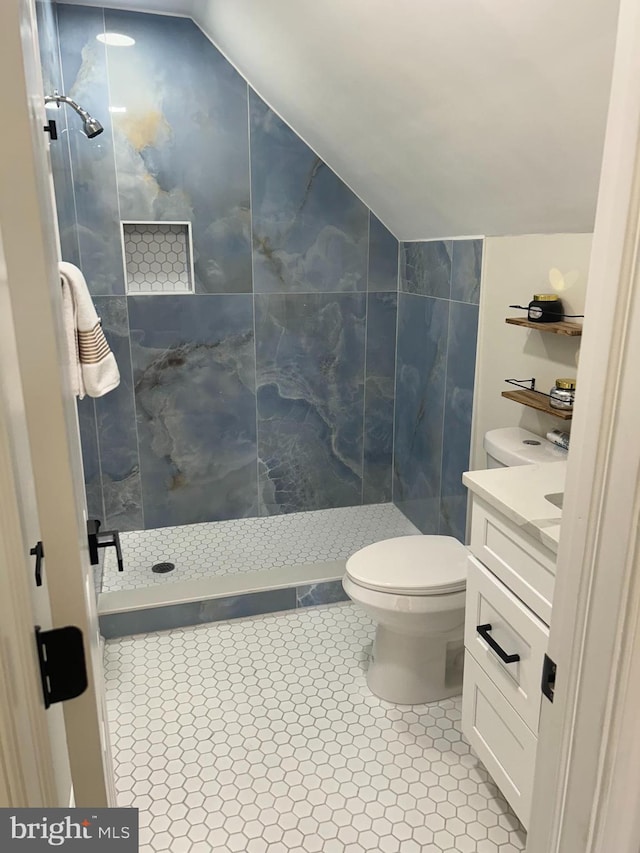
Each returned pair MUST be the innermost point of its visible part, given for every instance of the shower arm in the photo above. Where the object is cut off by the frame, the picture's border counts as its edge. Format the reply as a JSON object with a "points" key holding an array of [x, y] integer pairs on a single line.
{"points": [[59, 99]]}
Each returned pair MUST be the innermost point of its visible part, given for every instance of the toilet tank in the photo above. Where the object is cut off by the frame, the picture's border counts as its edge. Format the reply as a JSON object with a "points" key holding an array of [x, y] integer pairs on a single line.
{"points": [[516, 446]]}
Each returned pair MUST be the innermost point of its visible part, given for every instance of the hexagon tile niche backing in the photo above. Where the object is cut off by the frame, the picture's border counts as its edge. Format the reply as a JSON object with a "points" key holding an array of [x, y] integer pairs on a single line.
{"points": [[261, 736], [157, 257]]}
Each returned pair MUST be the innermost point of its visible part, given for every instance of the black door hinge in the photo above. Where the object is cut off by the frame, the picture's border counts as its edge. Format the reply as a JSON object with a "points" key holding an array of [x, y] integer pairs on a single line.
{"points": [[51, 129], [63, 667], [548, 685], [38, 552]]}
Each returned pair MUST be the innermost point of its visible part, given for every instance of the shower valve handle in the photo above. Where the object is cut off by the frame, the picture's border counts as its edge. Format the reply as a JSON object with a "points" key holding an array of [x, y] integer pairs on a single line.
{"points": [[95, 542], [51, 128], [93, 525]]}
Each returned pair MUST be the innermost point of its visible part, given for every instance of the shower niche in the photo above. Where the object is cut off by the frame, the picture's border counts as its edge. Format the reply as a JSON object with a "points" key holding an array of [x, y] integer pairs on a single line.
{"points": [[158, 257]]}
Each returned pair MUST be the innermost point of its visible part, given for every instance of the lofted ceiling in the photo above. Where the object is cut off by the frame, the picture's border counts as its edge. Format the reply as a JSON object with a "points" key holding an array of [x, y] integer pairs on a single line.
{"points": [[447, 117]]}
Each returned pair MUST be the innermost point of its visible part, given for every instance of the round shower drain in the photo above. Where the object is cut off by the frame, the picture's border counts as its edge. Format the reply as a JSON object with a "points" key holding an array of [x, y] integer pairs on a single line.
{"points": [[163, 568]]}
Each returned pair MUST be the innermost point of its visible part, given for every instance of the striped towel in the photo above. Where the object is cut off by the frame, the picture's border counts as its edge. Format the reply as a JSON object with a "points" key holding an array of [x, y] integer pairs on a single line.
{"points": [[92, 365]]}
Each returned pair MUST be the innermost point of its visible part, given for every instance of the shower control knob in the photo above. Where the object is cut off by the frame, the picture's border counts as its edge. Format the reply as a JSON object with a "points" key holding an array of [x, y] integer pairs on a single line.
{"points": [[51, 129], [95, 538]]}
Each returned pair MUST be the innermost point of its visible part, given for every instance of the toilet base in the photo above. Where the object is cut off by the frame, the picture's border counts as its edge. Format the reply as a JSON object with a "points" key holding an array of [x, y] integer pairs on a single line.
{"points": [[412, 670]]}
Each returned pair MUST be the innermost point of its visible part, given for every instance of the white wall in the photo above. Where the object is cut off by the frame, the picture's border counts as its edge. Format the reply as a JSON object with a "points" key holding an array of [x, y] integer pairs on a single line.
{"points": [[447, 117], [514, 268]]}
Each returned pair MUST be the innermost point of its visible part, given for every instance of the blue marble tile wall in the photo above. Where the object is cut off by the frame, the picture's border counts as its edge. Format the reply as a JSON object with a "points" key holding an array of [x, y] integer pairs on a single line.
{"points": [[271, 388], [436, 353]]}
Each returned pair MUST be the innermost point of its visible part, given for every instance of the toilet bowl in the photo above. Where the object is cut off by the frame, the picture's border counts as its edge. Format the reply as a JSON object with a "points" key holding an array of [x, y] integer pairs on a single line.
{"points": [[413, 587]]}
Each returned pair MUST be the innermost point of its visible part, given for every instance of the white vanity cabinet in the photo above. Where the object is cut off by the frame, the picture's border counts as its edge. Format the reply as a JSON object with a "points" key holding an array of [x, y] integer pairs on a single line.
{"points": [[508, 610]]}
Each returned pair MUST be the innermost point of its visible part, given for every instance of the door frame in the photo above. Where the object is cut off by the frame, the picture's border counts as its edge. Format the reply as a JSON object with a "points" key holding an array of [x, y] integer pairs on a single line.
{"points": [[589, 746], [29, 233]]}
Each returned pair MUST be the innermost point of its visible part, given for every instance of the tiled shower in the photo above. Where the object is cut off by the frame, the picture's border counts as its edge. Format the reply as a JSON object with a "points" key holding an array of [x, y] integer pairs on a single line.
{"points": [[280, 351]]}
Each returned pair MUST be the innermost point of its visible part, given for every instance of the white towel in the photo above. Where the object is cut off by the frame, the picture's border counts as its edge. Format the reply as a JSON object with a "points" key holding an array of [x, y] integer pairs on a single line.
{"points": [[92, 365]]}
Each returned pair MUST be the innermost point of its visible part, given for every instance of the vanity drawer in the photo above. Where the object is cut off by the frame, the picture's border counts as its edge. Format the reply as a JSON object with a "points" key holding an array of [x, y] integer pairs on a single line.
{"points": [[516, 631], [522, 563], [499, 737]]}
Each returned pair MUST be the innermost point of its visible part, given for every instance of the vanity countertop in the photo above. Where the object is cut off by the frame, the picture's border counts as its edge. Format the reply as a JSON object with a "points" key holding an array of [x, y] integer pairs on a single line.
{"points": [[519, 493]]}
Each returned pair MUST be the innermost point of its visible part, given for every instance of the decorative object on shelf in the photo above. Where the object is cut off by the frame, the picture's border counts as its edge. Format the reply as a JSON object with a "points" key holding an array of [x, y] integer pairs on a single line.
{"points": [[545, 308], [563, 394], [528, 396], [558, 437]]}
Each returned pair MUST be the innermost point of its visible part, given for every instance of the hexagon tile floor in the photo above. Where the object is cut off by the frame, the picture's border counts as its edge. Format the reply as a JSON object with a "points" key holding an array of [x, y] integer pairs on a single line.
{"points": [[260, 735], [251, 544]]}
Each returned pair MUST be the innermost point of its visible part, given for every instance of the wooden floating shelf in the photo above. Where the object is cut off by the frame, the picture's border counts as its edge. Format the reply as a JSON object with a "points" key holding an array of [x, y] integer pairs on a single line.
{"points": [[537, 401], [564, 327]]}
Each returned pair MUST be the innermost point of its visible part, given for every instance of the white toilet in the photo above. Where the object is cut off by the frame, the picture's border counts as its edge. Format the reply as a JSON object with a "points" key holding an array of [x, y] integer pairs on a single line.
{"points": [[413, 587], [516, 446]]}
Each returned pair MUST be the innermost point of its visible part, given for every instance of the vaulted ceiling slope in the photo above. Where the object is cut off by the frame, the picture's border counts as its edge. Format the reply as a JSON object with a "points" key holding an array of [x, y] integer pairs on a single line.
{"points": [[447, 117]]}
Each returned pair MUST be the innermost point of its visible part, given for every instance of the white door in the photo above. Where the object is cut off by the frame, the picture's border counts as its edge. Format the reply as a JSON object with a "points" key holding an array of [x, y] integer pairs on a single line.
{"points": [[30, 774], [37, 736], [28, 229]]}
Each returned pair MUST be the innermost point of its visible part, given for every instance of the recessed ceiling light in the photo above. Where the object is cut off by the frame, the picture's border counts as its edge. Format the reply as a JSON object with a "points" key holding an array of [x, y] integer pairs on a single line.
{"points": [[117, 109], [116, 39]]}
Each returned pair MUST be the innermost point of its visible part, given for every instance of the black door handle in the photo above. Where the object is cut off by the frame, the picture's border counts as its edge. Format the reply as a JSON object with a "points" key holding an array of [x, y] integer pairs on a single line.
{"points": [[38, 552], [483, 630]]}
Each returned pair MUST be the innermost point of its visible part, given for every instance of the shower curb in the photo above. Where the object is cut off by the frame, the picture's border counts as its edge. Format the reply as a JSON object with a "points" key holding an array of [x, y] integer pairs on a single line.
{"points": [[126, 623]]}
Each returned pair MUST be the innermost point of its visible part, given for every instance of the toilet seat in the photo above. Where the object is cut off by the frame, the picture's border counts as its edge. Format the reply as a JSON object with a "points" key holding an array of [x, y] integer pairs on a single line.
{"points": [[411, 565]]}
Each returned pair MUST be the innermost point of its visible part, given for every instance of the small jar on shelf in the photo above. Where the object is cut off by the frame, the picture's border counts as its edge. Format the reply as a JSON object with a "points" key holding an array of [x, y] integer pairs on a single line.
{"points": [[563, 394]]}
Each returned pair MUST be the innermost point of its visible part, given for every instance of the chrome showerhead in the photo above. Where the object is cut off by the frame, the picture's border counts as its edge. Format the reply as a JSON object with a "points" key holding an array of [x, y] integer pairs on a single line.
{"points": [[90, 126]]}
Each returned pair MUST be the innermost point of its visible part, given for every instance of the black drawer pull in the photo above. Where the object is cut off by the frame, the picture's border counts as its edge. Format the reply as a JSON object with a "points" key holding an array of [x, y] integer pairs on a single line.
{"points": [[483, 630]]}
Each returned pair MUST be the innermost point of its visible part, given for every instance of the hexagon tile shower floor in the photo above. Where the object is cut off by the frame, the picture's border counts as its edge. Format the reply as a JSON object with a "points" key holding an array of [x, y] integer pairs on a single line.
{"points": [[260, 735], [251, 544]]}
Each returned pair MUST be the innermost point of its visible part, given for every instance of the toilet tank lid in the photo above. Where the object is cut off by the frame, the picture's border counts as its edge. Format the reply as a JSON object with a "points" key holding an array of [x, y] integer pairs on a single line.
{"points": [[517, 446], [411, 565]]}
